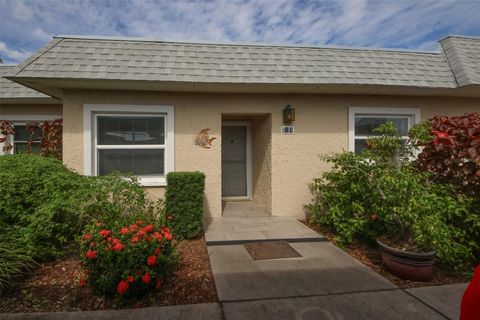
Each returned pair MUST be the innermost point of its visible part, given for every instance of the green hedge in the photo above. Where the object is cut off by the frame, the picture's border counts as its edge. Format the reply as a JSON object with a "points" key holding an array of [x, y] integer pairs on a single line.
{"points": [[184, 202]]}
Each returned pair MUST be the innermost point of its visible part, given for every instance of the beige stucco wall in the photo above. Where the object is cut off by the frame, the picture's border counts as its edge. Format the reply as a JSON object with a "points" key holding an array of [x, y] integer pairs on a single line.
{"points": [[321, 127], [30, 109], [262, 162]]}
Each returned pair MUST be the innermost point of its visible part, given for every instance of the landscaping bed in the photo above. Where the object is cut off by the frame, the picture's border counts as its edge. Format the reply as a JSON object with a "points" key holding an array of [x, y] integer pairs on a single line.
{"points": [[55, 286], [370, 256]]}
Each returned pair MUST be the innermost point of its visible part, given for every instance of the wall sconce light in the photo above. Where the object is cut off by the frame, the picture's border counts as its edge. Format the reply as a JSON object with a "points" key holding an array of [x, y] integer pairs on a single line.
{"points": [[288, 114]]}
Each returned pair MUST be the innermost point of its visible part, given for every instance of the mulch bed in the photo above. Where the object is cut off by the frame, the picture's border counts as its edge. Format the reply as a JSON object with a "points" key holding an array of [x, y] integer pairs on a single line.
{"points": [[370, 256], [54, 286]]}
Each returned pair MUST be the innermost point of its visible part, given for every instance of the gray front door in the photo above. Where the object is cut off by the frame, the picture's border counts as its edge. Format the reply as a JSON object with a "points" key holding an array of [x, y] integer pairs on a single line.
{"points": [[234, 161]]}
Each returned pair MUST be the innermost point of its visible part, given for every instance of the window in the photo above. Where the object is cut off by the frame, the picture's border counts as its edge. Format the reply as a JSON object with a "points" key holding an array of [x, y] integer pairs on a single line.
{"points": [[363, 120], [21, 136], [138, 143]]}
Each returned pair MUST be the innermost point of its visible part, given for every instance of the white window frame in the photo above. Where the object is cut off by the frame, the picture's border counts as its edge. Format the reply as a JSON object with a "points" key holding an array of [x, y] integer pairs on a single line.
{"points": [[92, 111], [413, 114], [23, 120]]}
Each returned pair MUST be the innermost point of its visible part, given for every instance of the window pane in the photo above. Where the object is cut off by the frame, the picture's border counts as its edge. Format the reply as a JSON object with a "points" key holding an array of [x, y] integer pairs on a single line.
{"points": [[21, 147], [140, 162], [360, 145], [364, 125], [117, 130], [21, 133]]}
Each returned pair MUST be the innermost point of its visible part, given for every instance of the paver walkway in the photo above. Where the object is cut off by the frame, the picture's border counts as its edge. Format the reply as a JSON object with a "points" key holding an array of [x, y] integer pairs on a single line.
{"points": [[245, 222]]}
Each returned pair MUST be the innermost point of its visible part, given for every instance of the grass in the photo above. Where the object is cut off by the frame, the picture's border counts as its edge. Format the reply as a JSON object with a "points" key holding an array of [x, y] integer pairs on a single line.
{"points": [[14, 261]]}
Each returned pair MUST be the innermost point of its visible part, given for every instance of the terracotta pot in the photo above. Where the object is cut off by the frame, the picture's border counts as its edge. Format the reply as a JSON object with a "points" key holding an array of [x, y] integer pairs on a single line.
{"points": [[406, 264]]}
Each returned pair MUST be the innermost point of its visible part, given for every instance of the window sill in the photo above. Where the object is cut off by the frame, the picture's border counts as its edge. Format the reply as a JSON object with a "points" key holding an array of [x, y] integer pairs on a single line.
{"points": [[153, 182]]}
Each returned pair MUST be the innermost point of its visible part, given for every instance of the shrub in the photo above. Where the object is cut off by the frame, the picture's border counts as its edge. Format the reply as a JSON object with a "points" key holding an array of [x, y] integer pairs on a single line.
{"points": [[369, 195], [14, 261], [127, 260], [451, 149], [184, 202], [46, 205]]}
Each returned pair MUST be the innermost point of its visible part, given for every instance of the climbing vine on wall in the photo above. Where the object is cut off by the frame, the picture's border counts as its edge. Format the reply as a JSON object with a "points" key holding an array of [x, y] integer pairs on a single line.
{"points": [[50, 136]]}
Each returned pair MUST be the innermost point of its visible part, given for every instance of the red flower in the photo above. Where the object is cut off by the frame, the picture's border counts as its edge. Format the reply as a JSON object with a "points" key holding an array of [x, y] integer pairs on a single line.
{"points": [[151, 260], [148, 228], [83, 282], [159, 284], [91, 254], [146, 278], [124, 231], [88, 236], [157, 251], [135, 239], [166, 233], [157, 235], [140, 233], [104, 233], [133, 228], [117, 247], [122, 287], [440, 134], [130, 279]]}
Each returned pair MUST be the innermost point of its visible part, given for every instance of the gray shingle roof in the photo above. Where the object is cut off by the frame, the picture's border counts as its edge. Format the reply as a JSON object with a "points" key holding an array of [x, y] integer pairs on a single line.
{"points": [[133, 59], [463, 54], [13, 90]]}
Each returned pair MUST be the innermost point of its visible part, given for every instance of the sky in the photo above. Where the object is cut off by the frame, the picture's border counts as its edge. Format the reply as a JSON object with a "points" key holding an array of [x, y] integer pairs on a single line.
{"points": [[27, 25]]}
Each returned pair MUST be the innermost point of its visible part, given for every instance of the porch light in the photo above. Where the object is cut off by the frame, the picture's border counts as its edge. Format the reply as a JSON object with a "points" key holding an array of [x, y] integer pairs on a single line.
{"points": [[288, 114]]}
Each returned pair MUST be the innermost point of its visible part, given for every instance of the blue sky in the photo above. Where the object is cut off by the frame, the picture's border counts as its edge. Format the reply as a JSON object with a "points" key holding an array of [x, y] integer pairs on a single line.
{"points": [[26, 25]]}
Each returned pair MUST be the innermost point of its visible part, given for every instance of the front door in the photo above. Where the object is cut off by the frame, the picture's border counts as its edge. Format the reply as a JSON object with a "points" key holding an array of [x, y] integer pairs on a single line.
{"points": [[235, 161]]}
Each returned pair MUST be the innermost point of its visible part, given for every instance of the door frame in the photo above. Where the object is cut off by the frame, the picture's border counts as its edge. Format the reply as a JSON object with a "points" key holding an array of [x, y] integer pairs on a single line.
{"points": [[248, 155]]}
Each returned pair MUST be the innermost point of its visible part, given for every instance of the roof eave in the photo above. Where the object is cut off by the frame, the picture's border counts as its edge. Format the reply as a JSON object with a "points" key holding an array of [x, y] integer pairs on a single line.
{"points": [[55, 87]]}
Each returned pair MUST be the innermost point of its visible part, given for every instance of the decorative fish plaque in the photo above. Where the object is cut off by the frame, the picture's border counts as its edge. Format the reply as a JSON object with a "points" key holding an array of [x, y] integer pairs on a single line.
{"points": [[203, 139]]}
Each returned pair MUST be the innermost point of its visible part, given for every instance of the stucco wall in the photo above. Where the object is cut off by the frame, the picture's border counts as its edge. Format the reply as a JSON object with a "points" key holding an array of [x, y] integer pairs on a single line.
{"points": [[321, 127], [262, 162], [31, 109]]}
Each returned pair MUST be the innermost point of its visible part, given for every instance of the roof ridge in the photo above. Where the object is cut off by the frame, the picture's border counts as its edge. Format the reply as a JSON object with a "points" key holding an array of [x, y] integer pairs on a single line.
{"points": [[253, 44], [459, 36]]}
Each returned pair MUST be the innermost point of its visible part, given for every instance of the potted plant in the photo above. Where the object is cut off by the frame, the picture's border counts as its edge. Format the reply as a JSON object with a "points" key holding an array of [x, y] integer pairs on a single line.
{"points": [[403, 208]]}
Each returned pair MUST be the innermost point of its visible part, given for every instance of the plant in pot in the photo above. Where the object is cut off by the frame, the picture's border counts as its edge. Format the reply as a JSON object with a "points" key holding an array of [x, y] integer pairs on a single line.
{"points": [[405, 207]]}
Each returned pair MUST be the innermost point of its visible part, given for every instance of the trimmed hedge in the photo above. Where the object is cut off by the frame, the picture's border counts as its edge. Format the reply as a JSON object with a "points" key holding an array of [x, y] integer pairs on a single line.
{"points": [[184, 202]]}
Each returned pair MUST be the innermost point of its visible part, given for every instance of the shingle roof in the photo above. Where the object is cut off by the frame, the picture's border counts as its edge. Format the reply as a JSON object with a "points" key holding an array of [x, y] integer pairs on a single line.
{"points": [[13, 90], [133, 59], [463, 54]]}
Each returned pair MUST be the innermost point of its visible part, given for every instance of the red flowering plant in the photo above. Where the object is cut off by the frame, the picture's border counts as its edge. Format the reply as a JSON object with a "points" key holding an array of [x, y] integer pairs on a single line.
{"points": [[127, 260]]}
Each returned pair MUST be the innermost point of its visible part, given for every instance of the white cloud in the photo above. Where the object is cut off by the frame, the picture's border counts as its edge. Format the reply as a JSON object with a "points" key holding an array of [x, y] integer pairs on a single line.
{"points": [[27, 25], [10, 55], [41, 35], [21, 10]]}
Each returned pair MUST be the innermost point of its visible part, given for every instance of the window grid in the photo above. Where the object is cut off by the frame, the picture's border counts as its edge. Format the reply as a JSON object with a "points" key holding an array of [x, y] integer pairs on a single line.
{"points": [[98, 147]]}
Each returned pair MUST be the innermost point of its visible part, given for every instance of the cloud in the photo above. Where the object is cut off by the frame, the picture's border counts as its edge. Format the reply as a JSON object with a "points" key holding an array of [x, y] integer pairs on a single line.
{"points": [[41, 35], [26, 24], [11, 55]]}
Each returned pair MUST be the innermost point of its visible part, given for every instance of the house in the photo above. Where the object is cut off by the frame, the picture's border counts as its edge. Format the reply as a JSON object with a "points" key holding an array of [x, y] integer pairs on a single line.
{"points": [[151, 107]]}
